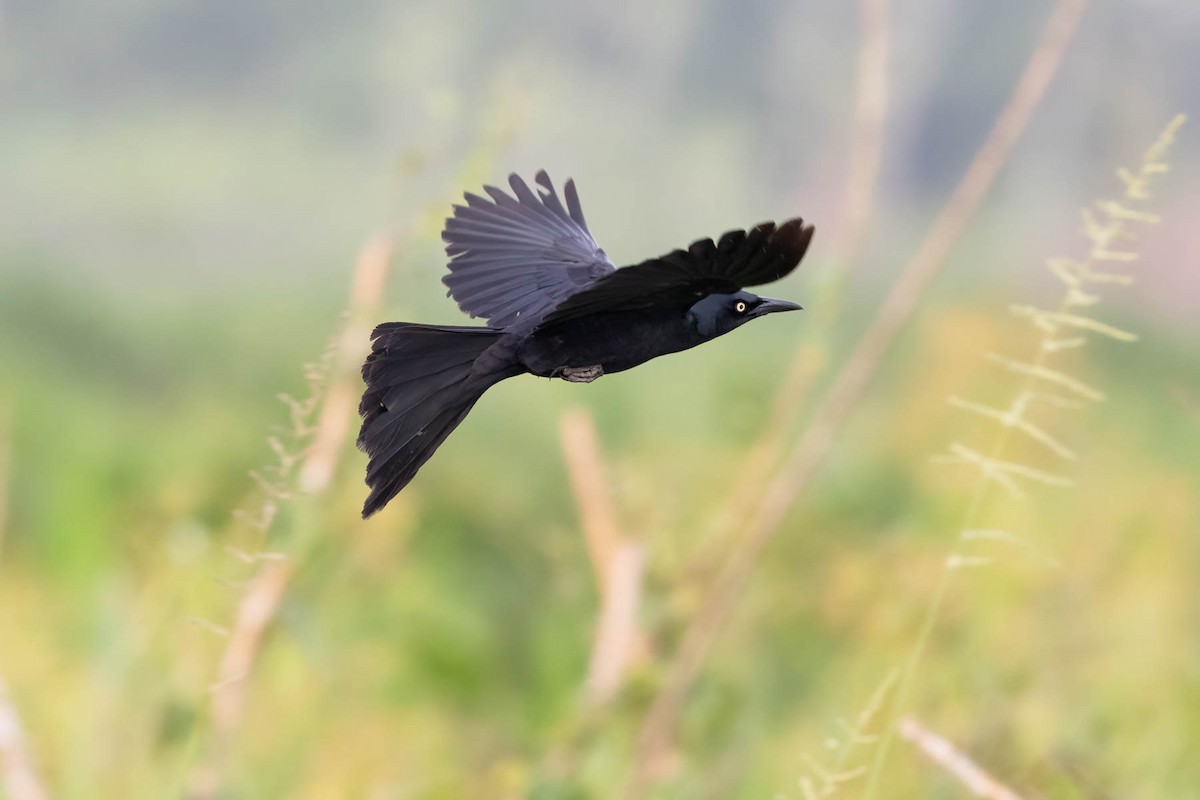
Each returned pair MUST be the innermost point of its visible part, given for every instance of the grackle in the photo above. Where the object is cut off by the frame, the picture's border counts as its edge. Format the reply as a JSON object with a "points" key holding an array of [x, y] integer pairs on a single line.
{"points": [[556, 307]]}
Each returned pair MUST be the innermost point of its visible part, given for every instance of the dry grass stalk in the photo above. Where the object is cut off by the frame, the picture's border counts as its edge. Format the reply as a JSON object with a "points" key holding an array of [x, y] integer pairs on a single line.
{"points": [[848, 387], [957, 763], [317, 466], [826, 776], [616, 560], [589, 484], [617, 641], [1061, 329], [866, 157], [18, 777], [228, 694], [366, 296], [869, 123], [254, 615]]}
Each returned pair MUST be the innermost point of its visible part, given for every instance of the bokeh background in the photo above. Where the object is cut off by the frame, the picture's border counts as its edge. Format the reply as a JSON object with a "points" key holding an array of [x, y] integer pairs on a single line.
{"points": [[185, 190]]}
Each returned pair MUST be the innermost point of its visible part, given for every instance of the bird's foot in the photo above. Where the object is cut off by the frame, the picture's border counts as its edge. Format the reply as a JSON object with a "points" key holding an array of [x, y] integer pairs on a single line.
{"points": [[579, 374]]}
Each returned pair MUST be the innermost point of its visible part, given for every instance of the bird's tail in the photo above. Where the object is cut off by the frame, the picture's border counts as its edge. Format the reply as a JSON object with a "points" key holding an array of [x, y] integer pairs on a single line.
{"points": [[420, 385]]}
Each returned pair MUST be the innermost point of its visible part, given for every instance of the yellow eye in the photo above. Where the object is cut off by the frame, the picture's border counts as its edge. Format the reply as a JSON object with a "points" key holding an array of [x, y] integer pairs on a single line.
{"points": [[740, 307]]}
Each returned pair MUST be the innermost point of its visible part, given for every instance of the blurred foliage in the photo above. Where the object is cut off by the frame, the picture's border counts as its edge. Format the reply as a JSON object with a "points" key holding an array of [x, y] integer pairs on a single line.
{"points": [[439, 650], [184, 185]]}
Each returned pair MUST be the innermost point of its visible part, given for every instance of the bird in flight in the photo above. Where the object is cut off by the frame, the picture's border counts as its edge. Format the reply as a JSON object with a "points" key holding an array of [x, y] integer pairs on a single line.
{"points": [[556, 307]]}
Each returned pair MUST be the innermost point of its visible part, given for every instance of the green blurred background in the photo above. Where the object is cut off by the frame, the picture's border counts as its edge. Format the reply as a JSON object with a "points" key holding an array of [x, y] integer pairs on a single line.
{"points": [[184, 188]]}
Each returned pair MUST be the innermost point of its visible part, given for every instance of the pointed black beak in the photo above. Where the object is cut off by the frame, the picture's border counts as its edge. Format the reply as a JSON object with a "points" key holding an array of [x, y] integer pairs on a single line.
{"points": [[769, 306]]}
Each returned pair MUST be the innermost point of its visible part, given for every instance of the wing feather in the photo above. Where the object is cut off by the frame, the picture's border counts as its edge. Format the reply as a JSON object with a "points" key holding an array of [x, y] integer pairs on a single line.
{"points": [[514, 257], [763, 254]]}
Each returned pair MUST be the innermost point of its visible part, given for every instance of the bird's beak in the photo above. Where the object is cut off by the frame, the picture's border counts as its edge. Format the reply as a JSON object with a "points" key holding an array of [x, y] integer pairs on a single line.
{"points": [[769, 306]]}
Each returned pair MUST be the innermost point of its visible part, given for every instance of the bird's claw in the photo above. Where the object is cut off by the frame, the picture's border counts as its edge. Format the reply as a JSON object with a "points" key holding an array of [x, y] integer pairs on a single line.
{"points": [[580, 374]]}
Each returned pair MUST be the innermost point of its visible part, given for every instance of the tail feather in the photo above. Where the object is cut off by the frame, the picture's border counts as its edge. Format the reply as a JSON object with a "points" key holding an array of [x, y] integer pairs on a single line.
{"points": [[408, 427], [420, 385], [401, 399]]}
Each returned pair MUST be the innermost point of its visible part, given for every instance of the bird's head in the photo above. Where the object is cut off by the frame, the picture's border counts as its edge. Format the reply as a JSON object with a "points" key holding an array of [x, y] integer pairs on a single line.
{"points": [[720, 313]]}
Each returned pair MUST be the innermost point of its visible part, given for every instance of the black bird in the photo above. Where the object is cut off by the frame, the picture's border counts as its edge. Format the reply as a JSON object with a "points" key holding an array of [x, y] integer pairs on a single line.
{"points": [[556, 307]]}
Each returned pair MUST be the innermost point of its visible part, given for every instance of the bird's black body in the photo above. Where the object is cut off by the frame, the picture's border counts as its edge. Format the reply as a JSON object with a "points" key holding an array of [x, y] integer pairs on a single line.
{"points": [[614, 341], [557, 308]]}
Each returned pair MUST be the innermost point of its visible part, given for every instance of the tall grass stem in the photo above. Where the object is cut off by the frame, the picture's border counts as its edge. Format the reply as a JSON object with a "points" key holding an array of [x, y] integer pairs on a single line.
{"points": [[848, 386]]}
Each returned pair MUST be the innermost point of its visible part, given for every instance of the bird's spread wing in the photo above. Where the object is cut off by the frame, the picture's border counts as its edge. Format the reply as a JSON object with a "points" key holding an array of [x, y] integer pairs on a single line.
{"points": [[513, 259], [763, 254]]}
